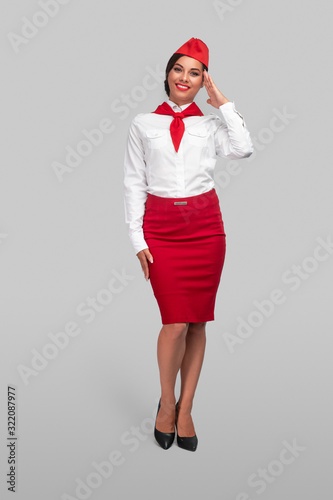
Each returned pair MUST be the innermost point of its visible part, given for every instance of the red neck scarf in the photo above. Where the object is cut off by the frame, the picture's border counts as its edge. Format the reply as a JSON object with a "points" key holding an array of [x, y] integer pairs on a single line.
{"points": [[177, 126]]}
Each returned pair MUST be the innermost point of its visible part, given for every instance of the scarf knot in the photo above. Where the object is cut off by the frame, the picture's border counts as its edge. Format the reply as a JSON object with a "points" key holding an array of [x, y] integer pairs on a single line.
{"points": [[177, 126]]}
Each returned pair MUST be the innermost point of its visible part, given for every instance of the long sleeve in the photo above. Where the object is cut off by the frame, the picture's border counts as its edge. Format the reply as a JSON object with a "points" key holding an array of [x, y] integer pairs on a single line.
{"points": [[232, 138], [135, 188]]}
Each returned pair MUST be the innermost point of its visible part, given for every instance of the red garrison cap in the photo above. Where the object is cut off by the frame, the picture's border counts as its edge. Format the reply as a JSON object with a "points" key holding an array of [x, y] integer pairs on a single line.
{"points": [[195, 48]]}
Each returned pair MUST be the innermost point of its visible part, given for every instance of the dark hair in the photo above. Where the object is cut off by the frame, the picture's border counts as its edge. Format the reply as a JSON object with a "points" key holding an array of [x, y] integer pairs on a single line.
{"points": [[169, 67]]}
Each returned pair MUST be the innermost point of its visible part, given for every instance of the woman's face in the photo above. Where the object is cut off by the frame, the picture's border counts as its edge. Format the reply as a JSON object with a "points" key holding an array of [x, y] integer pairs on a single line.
{"points": [[185, 80]]}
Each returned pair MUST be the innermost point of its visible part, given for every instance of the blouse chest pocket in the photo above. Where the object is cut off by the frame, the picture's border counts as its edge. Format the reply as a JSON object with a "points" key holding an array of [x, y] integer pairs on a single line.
{"points": [[156, 138], [198, 136]]}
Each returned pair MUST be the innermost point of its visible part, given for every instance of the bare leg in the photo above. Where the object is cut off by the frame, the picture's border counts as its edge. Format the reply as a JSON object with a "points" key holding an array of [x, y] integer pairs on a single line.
{"points": [[190, 371], [170, 351]]}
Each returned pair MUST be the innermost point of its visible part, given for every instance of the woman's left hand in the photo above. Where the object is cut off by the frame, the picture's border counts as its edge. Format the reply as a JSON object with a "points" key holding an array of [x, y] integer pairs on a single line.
{"points": [[216, 98]]}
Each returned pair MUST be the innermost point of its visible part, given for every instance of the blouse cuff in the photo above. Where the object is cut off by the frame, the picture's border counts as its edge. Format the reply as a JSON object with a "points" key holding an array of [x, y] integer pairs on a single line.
{"points": [[138, 242]]}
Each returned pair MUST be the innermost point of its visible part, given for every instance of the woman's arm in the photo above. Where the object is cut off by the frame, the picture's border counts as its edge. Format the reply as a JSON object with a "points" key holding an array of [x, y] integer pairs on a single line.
{"points": [[232, 138], [135, 188]]}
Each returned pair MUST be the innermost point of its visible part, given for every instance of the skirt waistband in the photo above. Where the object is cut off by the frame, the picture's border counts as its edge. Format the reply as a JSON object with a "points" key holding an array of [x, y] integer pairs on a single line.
{"points": [[195, 201]]}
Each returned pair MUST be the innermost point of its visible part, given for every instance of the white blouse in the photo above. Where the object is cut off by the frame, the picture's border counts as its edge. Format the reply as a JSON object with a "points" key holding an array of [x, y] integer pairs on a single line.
{"points": [[152, 165]]}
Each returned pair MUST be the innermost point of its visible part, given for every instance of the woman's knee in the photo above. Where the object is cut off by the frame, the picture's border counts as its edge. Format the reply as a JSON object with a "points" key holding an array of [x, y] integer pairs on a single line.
{"points": [[196, 327], [176, 330]]}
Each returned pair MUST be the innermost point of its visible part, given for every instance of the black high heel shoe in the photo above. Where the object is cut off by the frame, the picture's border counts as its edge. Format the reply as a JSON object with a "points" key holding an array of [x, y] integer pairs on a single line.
{"points": [[164, 439], [187, 443]]}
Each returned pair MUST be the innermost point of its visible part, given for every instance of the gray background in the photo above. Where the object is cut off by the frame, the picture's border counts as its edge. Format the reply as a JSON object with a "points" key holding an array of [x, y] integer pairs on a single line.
{"points": [[62, 242]]}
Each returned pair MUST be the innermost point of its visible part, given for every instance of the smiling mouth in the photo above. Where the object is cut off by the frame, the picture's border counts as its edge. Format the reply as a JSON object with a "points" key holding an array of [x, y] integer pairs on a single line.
{"points": [[182, 87]]}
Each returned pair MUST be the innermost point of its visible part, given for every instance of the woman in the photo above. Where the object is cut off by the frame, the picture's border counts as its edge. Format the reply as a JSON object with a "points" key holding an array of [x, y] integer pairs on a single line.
{"points": [[175, 224]]}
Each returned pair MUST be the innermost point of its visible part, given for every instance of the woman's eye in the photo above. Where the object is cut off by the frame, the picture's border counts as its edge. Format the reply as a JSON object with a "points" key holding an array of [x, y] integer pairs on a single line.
{"points": [[192, 72]]}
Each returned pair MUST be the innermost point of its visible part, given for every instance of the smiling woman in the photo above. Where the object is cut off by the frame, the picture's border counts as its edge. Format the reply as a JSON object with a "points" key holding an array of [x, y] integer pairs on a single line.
{"points": [[175, 69], [175, 222]]}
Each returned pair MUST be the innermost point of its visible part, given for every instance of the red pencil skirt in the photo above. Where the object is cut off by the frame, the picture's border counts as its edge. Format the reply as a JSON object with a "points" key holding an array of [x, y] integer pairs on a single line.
{"points": [[187, 241]]}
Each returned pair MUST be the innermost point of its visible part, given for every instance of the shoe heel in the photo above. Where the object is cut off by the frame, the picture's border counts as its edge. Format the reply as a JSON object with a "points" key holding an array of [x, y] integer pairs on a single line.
{"points": [[164, 439]]}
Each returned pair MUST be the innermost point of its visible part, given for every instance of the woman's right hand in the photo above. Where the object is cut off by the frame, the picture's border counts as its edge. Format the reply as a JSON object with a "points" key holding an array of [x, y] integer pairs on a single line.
{"points": [[144, 255]]}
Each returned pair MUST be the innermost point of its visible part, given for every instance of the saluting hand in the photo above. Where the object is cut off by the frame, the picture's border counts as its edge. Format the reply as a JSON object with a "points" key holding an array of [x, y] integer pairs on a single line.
{"points": [[145, 255], [216, 98]]}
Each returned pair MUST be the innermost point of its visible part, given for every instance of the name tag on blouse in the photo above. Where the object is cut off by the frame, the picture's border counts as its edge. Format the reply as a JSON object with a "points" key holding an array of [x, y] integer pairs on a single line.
{"points": [[180, 202]]}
